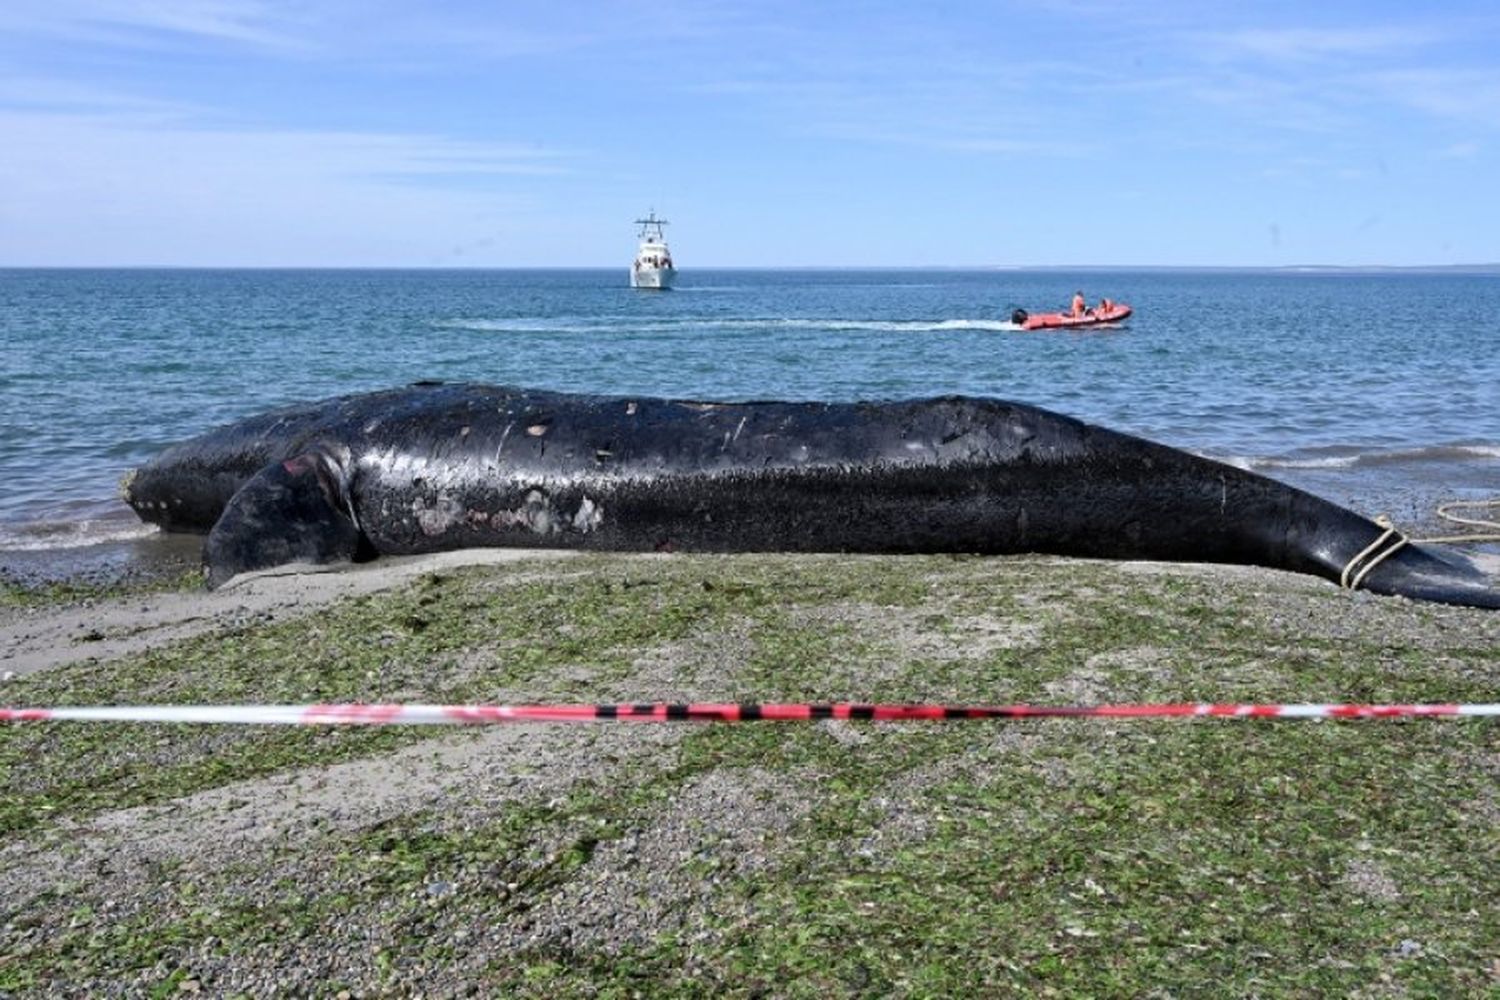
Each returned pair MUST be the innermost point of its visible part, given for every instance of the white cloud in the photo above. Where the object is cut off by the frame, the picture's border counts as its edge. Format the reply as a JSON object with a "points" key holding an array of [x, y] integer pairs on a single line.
{"points": [[1458, 93], [85, 189], [1460, 151], [389, 31], [1345, 81], [36, 93], [1299, 44], [253, 23]]}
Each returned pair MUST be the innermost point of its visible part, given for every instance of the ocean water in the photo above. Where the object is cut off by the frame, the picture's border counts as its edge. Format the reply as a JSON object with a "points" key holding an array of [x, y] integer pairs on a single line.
{"points": [[1379, 391]]}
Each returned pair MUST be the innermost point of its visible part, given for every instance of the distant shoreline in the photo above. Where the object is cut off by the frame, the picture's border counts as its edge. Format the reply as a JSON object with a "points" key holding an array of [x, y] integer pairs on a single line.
{"points": [[1457, 270]]}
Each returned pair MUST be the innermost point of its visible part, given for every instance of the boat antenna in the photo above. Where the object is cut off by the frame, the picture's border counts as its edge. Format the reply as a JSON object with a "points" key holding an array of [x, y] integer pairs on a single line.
{"points": [[651, 224]]}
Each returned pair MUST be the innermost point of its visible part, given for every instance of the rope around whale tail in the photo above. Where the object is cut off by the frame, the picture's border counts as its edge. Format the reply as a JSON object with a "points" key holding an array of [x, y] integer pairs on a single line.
{"points": [[1392, 539], [426, 715]]}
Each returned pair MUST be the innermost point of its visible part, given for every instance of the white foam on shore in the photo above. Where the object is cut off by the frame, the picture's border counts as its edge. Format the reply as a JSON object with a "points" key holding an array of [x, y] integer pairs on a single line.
{"points": [[49, 536]]}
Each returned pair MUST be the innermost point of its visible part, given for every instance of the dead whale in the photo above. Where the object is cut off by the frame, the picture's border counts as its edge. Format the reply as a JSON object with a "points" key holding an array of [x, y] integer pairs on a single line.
{"points": [[434, 467]]}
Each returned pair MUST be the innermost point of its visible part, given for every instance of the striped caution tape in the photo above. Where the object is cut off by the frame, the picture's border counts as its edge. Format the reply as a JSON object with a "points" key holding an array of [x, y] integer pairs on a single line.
{"points": [[380, 715]]}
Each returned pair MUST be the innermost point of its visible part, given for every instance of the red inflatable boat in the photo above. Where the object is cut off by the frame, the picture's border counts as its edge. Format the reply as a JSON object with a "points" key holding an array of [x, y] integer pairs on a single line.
{"points": [[1049, 321]]}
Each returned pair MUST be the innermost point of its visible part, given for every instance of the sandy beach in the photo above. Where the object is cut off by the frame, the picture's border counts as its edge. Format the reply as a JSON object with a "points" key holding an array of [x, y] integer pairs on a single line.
{"points": [[772, 859]]}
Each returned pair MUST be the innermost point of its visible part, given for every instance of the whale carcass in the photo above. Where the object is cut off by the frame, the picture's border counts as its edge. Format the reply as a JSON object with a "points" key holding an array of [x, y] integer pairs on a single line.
{"points": [[433, 467]]}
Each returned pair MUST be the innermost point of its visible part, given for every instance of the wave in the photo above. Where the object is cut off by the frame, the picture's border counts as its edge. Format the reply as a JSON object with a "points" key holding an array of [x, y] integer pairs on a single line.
{"points": [[1350, 458], [616, 324], [47, 536]]}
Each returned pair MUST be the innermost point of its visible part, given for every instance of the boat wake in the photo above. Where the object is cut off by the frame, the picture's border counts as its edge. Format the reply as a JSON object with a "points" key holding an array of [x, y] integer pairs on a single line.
{"points": [[636, 324]]}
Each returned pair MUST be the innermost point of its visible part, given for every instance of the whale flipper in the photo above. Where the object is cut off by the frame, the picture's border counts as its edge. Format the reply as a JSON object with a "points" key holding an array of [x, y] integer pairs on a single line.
{"points": [[294, 511]]}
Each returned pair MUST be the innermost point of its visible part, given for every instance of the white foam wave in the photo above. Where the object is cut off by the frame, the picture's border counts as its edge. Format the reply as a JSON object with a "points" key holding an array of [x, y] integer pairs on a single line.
{"points": [[1326, 462], [46, 536], [1357, 459]]}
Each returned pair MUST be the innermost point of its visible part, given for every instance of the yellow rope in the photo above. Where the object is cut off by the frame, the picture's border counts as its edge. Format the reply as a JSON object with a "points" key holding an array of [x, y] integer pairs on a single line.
{"points": [[1391, 540], [1375, 560], [1478, 522]]}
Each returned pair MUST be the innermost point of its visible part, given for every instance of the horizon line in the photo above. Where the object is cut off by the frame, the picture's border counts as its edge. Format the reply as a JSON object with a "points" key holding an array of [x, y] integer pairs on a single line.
{"points": [[1292, 268]]}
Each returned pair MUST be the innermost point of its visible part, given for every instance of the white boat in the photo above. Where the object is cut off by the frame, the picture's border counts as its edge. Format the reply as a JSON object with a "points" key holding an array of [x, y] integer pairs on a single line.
{"points": [[653, 261]]}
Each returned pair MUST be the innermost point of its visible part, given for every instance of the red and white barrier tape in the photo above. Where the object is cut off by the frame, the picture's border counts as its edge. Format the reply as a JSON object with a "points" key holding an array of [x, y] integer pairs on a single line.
{"points": [[376, 715]]}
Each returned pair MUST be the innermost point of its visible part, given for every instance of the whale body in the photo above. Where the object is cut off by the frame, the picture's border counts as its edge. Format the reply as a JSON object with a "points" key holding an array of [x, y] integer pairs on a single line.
{"points": [[433, 467]]}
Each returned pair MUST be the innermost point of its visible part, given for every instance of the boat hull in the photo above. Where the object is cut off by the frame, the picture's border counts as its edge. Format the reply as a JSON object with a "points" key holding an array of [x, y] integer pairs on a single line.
{"points": [[1060, 321], [653, 277]]}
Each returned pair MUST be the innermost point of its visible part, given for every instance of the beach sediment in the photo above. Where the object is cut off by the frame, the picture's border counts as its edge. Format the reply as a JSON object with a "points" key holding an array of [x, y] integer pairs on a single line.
{"points": [[1071, 857]]}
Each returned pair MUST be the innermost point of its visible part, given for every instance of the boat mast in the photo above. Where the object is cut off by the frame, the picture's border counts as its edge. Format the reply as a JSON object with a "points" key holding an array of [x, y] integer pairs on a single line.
{"points": [[651, 227]]}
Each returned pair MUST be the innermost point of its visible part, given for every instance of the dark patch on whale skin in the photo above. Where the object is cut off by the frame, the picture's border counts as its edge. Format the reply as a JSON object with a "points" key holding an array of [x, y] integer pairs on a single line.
{"points": [[435, 467]]}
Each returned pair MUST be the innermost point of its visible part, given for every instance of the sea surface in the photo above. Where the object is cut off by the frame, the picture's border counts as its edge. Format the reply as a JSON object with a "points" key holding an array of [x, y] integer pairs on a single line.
{"points": [[1379, 391]]}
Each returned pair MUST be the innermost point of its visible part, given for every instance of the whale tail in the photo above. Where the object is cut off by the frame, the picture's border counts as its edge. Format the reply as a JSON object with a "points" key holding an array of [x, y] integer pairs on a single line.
{"points": [[294, 511], [1359, 553], [1427, 574]]}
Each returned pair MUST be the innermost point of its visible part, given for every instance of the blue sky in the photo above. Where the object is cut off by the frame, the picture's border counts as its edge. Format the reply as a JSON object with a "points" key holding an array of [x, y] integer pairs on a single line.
{"points": [[340, 133]]}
